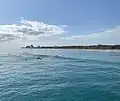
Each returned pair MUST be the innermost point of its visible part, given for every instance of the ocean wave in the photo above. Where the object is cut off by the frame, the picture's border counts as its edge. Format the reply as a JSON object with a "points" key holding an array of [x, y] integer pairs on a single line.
{"points": [[30, 56]]}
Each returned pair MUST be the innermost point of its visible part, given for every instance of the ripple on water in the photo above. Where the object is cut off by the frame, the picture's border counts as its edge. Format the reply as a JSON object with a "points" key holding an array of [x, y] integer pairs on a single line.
{"points": [[73, 76]]}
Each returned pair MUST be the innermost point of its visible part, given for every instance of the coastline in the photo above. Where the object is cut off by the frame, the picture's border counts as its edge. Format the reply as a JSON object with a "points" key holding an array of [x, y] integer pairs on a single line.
{"points": [[102, 50], [92, 50], [105, 48]]}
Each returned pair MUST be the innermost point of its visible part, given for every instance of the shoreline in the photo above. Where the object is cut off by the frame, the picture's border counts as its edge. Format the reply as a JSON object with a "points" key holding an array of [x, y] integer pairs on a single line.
{"points": [[110, 48], [96, 50]]}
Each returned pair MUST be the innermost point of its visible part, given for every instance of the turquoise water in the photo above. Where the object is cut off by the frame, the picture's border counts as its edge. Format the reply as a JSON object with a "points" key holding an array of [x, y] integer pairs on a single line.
{"points": [[59, 75]]}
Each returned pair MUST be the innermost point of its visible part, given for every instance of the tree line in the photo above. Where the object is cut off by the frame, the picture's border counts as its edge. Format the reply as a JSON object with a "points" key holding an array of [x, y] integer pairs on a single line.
{"points": [[77, 47]]}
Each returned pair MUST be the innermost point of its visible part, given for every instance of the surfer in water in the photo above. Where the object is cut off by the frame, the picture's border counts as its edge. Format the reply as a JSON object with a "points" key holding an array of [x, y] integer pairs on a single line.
{"points": [[38, 58]]}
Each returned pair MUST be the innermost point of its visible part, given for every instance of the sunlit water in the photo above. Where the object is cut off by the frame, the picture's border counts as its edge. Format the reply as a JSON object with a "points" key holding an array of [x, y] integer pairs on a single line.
{"points": [[59, 75]]}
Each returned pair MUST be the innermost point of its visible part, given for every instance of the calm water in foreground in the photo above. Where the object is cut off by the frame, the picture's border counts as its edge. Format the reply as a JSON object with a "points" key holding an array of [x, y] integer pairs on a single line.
{"points": [[59, 75]]}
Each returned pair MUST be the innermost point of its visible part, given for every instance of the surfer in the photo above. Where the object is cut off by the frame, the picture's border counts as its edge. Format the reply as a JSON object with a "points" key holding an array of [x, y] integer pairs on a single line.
{"points": [[38, 58]]}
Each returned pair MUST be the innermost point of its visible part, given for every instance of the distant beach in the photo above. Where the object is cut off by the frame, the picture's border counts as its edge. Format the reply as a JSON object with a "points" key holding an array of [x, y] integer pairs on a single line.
{"points": [[105, 48]]}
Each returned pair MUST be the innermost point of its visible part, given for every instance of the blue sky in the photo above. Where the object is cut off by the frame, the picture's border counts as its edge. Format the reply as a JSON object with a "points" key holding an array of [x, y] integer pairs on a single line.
{"points": [[82, 17]]}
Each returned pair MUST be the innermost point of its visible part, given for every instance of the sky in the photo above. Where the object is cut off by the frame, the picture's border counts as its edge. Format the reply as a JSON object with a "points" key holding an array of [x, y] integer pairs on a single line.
{"points": [[59, 22]]}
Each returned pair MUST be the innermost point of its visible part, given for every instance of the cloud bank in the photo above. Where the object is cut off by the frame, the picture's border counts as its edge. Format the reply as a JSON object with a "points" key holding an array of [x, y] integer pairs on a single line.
{"points": [[109, 36], [25, 28], [34, 30]]}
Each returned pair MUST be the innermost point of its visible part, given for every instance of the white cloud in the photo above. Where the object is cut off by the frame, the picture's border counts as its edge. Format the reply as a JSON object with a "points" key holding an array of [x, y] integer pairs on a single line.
{"points": [[25, 28], [110, 36], [34, 30]]}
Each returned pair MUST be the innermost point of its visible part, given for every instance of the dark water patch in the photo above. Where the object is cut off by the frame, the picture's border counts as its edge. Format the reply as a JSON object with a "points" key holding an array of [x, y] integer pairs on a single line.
{"points": [[28, 57]]}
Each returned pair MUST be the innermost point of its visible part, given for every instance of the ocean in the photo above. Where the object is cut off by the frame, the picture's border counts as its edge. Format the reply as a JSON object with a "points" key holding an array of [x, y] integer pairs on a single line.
{"points": [[59, 75]]}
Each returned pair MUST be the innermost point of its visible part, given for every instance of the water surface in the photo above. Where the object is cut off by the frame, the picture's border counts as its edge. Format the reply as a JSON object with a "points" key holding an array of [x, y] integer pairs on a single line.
{"points": [[59, 75]]}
